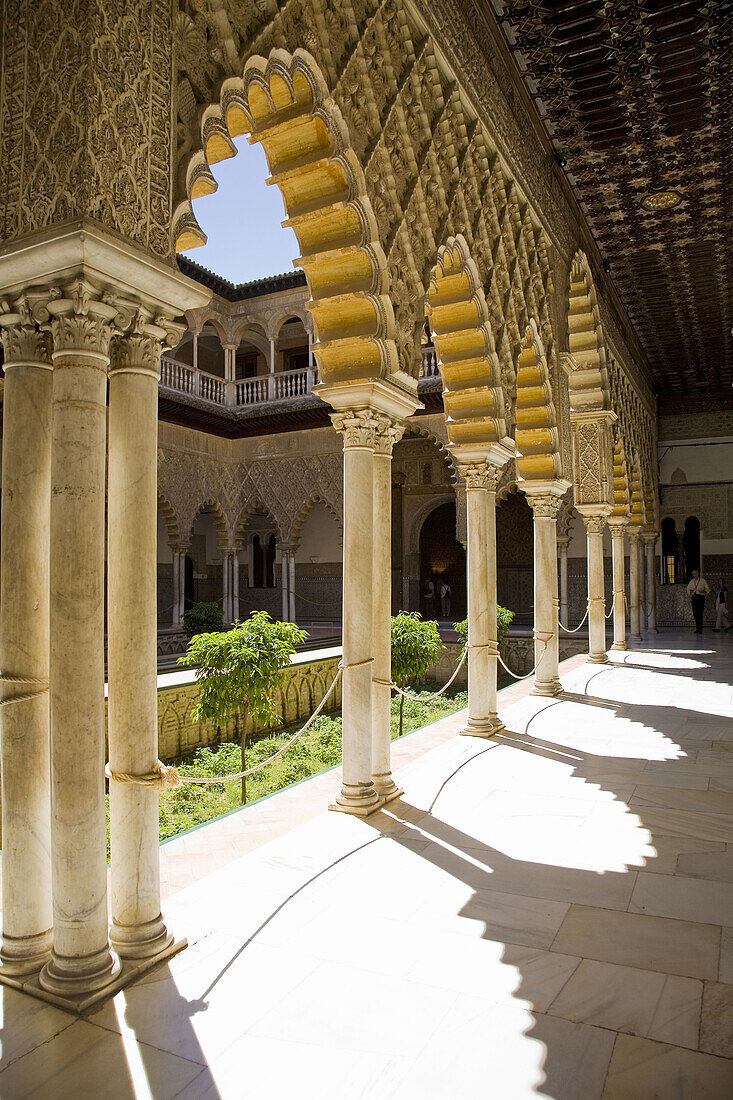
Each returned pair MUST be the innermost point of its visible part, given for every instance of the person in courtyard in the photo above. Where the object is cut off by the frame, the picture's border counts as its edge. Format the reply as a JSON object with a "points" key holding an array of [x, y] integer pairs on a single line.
{"points": [[445, 596], [428, 596], [698, 589], [722, 622]]}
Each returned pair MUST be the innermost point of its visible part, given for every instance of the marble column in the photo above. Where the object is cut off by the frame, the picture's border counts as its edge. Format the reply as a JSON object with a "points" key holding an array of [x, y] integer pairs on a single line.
{"points": [[651, 581], [175, 599], [563, 542], [82, 961], [642, 586], [137, 929], [182, 585], [226, 603], [594, 525], [235, 585], [634, 606], [546, 604], [618, 553], [285, 583], [357, 795], [384, 440], [481, 482], [291, 587], [24, 647]]}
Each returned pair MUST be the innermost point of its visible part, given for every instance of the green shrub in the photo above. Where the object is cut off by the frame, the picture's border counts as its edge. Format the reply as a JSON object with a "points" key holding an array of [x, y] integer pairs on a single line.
{"points": [[503, 619], [416, 646], [202, 618]]}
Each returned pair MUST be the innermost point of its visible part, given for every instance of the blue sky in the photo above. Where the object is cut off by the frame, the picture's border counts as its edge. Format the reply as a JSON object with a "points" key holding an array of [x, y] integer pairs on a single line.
{"points": [[242, 220]]}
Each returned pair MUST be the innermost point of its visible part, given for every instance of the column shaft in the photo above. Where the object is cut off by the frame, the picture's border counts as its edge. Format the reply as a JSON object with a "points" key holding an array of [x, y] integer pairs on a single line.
{"points": [[291, 587], [596, 591], [634, 611], [235, 585], [225, 579], [651, 584], [563, 550], [137, 929], [642, 586], [619, 584], [176, 610], [546, 603], [82, 961], [481, 568], [24, 646], [384, 784], [357, 794], [285, 583]]}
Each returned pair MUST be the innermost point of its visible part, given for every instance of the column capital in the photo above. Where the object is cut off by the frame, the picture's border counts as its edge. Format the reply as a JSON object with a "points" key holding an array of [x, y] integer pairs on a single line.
{"points": [[563, 541], [389, 432], [634, 534], [594, 524], [139, 340], [544, 505], [617, 526], [650, 537], [23, 341], [480, 475], [365, 428]]}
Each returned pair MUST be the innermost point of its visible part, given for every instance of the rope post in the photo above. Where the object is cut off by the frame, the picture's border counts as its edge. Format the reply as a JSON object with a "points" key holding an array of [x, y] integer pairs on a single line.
{"points": [[595, 521], [545, 500]]}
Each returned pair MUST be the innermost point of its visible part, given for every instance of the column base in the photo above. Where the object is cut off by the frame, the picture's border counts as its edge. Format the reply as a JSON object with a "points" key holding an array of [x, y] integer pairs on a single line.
{"points": [[72, 977], [483, 727], [360, 800], [619, 646], [140, 941], [22, 956], [597, 659], [546, 688], [386, 787], [127, 972], [635, 638]]}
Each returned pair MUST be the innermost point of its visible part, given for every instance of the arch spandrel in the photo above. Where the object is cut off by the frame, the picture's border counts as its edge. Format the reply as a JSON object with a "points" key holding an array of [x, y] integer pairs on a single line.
{"points": [[283, 103], [538, 451], [464, 344]]}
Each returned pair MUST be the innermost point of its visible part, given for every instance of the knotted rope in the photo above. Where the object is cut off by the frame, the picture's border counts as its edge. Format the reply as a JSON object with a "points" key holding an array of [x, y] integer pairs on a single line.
{"points": [[42, 687], [166, 777]]}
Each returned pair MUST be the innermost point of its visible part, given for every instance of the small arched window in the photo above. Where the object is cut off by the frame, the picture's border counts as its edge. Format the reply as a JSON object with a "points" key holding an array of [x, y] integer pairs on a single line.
{"points": [[670, 551], [691, 546]]}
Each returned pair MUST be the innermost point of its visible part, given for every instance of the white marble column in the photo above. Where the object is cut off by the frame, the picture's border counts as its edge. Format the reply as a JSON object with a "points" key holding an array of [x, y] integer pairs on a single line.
{"points": [[563, 543], [24, 646], [182, 585], [619, 584], [384, 441], [651, 581], [546, 603], [235, 585], [594, 525], [634, 605], [137, 929], [357, 795], [176, 587], [481, 482], [291, 587], [285, 583], [642, 587], [226, 603], [82, 961]]}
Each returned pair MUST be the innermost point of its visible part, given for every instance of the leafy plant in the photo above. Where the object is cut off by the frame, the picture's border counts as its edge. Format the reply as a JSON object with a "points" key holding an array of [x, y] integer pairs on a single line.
{"points": [[239, 671], [503, 619], [416, 646], [202, 618]]}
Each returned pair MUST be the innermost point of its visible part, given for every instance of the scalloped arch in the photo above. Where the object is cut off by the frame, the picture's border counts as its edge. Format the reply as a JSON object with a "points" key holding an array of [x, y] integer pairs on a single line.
{"points": [[536, 435], [171, 519], [283, 102], [464, 343], [297, 524], [253, 507], [621, 488], [588, 382], [636, 511], [212, 507]]}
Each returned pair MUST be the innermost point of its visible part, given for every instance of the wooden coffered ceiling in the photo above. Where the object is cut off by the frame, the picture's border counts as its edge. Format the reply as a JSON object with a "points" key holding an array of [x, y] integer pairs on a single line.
{"points": [[637, 98]]}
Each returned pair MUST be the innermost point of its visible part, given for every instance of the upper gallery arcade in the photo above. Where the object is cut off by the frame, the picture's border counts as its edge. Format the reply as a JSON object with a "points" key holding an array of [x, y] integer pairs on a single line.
{"points": [[420, 188]]}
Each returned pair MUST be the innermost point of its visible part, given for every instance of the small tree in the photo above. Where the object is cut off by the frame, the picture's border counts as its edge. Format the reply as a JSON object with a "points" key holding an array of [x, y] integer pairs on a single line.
{"points": [[239, 671], [503, 619], [416, 646], [202, 618]]}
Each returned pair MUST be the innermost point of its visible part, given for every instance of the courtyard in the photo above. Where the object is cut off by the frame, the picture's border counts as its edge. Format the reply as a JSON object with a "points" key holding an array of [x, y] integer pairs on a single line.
{"points": [[541, 914]]}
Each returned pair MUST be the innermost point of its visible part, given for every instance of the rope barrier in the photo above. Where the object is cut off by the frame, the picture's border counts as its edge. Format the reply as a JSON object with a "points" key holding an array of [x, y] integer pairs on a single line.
{"points": [[435, 695], [538, 635], [26, 681], [166, 777], [575, 629]]}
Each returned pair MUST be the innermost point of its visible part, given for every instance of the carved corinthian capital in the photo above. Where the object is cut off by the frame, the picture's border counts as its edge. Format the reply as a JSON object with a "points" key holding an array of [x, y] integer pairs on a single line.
{"points": [[359, 427], [594, 524], [22, 339], [480, 475], [544, 506], [388, 433], [81, 321]]}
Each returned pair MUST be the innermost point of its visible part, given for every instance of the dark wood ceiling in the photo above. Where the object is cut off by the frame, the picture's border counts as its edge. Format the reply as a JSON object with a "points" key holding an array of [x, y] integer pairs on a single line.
{"points": [[637, 98]]}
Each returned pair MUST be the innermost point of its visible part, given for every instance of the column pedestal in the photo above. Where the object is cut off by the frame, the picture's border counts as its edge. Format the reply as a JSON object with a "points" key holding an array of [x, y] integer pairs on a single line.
{"points": [[24, 649], [481, 481], [545, 506], [619, 584], [594, 525]]}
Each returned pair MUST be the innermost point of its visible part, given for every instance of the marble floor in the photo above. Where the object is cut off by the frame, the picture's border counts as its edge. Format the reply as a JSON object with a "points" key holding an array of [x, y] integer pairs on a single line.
{"points": [[548, 914]]}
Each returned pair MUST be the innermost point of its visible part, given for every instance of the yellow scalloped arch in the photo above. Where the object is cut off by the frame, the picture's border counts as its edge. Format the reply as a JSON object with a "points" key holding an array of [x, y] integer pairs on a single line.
{"points": [[538, 450], [621, 493], [588, 383], [464, 344], [283, 102]]}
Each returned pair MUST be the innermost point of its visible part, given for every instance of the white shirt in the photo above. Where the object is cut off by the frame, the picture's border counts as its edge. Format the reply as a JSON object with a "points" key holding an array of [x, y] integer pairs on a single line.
{"points": [[698, 586]]}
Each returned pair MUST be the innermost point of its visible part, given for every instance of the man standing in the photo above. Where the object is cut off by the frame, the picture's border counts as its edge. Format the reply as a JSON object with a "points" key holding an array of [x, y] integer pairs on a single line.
{"points": [[722, 622], [698, 589]]}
